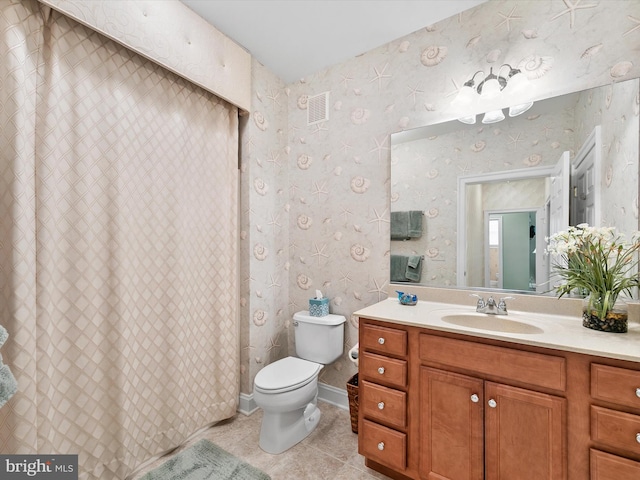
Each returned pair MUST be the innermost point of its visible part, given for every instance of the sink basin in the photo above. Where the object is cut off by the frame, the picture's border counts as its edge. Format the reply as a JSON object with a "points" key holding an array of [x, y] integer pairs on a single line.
{"points": [[494, 323]]}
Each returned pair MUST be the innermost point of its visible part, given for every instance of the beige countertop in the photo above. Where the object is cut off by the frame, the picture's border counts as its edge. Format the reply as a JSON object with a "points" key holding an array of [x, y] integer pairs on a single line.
{"points": [[557, 331]]}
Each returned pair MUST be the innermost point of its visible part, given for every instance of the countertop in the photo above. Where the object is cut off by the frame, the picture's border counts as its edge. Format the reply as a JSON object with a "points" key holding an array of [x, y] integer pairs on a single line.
{"points": [[560, 332]]}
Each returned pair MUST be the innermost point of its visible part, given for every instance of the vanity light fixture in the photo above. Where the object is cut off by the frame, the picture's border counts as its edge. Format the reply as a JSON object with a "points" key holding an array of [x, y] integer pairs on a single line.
{"points": [[494, 89]]}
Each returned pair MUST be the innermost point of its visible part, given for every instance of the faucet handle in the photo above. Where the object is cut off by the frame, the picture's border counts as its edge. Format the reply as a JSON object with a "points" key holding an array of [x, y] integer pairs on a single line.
{"points": [[481, 303], [502, 304]]}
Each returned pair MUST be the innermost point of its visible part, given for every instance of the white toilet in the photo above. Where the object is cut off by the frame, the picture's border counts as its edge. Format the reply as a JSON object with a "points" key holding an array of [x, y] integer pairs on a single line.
{"points": [[287, 390]]}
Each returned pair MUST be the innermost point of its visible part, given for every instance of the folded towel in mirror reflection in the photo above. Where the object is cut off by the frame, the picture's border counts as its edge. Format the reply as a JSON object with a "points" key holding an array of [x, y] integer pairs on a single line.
{"points": [[406, 268], [8, 384], [406, 225]]}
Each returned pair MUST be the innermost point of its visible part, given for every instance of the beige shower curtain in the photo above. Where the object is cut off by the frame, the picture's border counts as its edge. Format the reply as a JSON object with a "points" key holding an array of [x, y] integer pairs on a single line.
{"points": [[118, 244]]}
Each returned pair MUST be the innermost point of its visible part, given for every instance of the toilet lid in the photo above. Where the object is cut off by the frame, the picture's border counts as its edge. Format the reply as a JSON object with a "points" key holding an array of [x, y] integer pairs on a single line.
{"points": [[286, 374]]}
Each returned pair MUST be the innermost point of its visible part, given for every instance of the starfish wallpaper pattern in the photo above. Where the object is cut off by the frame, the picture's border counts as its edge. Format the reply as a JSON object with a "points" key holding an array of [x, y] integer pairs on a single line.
{"points": [[318, 197]]}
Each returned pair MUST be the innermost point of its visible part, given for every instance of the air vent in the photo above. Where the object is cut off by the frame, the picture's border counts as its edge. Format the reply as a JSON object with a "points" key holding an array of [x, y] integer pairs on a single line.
{"points": [[318, 108]]}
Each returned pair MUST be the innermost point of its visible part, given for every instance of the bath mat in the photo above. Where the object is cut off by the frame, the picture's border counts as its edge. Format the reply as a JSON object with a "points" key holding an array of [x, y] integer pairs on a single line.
{"points": [[205, 461]]}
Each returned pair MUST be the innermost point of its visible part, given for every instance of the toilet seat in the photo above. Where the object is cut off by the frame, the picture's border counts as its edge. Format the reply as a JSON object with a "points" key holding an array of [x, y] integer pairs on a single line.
{"points": [[286, 374]]}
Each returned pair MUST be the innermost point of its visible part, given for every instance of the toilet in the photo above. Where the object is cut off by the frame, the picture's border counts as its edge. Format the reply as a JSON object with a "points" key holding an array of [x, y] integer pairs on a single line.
{"points": [[287, 390]]}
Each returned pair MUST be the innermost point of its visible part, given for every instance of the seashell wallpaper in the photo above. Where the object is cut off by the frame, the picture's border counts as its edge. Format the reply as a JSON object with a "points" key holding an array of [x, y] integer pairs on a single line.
{"points": [[316, 199]]}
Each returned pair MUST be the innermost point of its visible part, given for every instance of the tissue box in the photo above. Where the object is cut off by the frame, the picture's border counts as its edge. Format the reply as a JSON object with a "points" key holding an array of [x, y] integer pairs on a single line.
{"points": [[318, 307]]}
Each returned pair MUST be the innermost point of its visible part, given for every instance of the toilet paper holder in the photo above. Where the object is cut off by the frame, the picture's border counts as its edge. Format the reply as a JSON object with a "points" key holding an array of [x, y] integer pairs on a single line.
{"points": [[353, 353]]}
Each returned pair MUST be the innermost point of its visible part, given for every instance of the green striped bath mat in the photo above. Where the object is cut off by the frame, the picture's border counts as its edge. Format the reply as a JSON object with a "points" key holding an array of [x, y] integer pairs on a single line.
{"points": [[205, 461]]}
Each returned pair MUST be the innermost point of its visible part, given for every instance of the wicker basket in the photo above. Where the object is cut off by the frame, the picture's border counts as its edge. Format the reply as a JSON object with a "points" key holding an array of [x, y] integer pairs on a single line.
{"points": [[352, 392]]}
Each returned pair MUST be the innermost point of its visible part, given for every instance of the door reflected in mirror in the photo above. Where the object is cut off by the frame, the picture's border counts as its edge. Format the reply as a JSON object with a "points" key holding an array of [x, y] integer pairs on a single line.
{"points": [[511, 250]]}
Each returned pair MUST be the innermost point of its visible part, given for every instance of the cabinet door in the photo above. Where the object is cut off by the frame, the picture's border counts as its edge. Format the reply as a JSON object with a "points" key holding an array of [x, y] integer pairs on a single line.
{"points": [[451, 425], [525, 434]]}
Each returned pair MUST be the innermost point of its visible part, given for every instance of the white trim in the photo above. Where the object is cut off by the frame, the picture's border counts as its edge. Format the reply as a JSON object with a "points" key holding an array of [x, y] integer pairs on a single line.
{"points": [[593, 142], [333, 395], [247, 405], [326, 393]]}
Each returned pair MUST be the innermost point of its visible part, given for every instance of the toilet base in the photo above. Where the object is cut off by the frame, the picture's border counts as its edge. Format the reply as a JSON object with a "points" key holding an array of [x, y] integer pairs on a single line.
{"points": [[282, 430]]}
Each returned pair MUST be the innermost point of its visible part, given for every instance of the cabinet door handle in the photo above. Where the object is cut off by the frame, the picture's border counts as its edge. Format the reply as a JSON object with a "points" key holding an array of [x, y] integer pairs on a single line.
{"points": [[381, 370], [492, 403], [638, 437], [638, 392], [381, 405], [381, 340], [474, 398], [381, 446]]}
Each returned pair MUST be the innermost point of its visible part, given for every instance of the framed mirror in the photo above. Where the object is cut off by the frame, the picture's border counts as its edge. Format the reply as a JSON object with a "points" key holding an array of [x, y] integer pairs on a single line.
{"points": [[477, 188]]}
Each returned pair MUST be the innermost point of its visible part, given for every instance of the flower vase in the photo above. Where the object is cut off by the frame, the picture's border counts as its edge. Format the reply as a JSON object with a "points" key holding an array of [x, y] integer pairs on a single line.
{"points": [[613, 320]]}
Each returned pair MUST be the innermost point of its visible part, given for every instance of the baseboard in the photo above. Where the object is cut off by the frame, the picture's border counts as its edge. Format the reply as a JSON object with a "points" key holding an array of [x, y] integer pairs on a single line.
{"points": [[326, 393], [333, 395], [247, 404]]}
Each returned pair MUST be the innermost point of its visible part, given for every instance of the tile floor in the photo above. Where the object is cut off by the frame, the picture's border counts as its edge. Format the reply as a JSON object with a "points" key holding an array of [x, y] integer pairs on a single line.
{"points": [[330, 452]]}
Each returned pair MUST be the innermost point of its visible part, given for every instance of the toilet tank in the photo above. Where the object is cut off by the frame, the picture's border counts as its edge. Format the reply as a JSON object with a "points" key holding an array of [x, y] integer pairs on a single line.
{"points": [[319, 339]]}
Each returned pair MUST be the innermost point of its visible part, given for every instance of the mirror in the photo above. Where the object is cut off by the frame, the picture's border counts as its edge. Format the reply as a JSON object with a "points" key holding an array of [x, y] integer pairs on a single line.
{"points": [[485, 196]]}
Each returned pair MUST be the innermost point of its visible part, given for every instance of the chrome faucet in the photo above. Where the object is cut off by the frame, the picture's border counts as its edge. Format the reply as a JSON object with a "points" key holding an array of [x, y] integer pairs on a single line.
{"points": [[490, 307]]}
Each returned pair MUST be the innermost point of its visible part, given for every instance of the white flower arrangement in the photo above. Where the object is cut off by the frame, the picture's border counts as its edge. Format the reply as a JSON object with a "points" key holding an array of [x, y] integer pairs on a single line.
{"points": [[597, 261]]}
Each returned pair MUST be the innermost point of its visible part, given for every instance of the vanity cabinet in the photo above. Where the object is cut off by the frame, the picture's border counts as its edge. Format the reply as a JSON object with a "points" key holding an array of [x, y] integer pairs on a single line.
{"points": [[441, 405], [383, 396], [615, 422], [471, 427]]}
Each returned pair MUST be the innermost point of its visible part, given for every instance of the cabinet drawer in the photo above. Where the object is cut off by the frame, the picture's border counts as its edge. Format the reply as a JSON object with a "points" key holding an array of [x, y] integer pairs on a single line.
{"points": [[616, 385], [384, 340], [611, 467], [384, 404], [532, 368], [385, 370], [615, 429], [383, 445]]}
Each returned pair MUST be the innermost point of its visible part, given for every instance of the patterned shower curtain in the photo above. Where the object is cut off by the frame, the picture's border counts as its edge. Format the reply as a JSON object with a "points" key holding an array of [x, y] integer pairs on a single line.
{"points": [[118, 247]]}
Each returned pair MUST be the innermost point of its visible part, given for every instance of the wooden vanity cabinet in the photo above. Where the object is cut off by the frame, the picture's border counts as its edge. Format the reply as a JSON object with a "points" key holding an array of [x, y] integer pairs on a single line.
{"points": [[383, 397], [470, 427], [615, 423], [461, 407], [473, 429]]}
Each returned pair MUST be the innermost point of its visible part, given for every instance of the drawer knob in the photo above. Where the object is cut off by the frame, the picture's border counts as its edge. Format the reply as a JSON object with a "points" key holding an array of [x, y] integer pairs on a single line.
{"points": [[381, 446], [493, 403], [381, 340], [638, 437], [380, 405], [381, 370], [638, 392], [474, 398]]}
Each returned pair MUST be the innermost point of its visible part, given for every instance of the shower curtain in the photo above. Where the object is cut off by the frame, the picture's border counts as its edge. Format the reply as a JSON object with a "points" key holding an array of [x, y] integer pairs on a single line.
{"points": [[118, 247]]}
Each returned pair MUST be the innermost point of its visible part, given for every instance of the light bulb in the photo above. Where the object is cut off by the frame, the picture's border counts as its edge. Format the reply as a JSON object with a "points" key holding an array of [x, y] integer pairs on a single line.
{"points": [[493, 116], [491, 88], [466, 95], [517, 91], [519, 109], [469, 119], [518, 82]]}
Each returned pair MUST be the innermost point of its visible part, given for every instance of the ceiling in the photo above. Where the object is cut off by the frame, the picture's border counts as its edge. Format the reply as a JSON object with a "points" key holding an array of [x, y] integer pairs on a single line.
{"points": [[296, 38]]}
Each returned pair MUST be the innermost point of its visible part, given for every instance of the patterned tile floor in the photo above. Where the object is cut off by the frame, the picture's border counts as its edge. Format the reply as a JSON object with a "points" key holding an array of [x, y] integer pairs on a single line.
{"points": [[330, 452]]}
